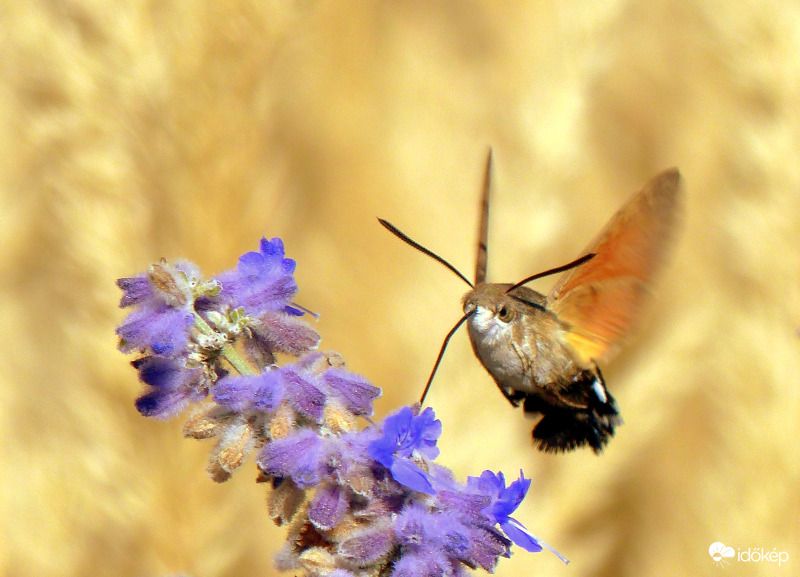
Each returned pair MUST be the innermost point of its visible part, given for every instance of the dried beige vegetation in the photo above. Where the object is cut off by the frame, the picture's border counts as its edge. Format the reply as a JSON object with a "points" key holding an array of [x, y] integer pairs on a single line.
{"points": [[131, 131]]}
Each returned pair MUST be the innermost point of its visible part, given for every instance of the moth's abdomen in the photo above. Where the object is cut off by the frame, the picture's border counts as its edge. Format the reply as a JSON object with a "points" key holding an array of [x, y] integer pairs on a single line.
{"points": [[584, 413]]}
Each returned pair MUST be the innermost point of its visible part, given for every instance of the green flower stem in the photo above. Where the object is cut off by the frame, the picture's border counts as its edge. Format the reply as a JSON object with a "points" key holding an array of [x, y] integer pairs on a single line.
{"points": [[234, 359], [228, 352]]}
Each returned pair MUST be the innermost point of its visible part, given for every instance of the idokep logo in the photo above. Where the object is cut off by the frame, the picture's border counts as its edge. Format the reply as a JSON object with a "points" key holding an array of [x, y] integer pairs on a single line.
{"points": [[722, 555]]}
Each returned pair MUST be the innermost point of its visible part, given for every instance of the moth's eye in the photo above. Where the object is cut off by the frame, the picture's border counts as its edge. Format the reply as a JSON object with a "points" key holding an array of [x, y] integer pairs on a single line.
{"points": [[505, 314]]}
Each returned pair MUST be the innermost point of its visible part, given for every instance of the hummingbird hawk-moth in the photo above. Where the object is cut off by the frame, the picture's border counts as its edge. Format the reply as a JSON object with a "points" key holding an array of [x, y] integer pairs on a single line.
{"points": [[543, 351]]}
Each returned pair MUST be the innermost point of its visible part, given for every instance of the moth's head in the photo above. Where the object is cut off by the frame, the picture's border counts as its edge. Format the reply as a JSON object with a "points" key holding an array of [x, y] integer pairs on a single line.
{"points": [[492, 305]]}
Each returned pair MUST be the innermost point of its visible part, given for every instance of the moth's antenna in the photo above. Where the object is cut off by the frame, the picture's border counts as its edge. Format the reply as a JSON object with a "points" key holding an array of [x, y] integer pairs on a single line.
{"points": [[562, 268], [441, 354], [483, 227], [402, 236]]}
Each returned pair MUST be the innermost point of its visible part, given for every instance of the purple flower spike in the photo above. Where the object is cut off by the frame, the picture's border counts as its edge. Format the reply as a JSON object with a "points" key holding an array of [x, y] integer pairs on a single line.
{"points": [[406, 437], [262, 280], [357, 500]]}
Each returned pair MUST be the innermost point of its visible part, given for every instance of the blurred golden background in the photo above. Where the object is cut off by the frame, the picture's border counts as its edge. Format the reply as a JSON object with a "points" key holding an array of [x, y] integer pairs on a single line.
{"points": [[132, 131]]}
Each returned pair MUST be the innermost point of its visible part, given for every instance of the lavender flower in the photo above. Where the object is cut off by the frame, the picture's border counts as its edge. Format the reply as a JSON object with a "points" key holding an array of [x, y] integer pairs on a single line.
{"points": [[356, 501], [262, 280], [408, 441], [505, 501]]}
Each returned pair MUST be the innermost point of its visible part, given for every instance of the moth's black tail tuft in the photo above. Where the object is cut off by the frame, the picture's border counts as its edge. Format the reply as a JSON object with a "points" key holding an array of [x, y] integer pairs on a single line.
{"points": [[564, 428]]}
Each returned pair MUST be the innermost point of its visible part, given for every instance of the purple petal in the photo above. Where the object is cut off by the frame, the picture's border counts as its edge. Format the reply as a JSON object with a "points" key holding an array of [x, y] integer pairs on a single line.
{"points": [[486, 548], [426, 430], [511, 497], [269, 395], [262, 280], [454, 537], [283, 333], [303, 395], [397, 429], [171, 386], [328, 507], [297, 456], [251, 263], [508, 499], [428, 563], [260, 393], [235, 392], [402, 435], [367, 547], [409, 475], [155, 327], [160, 405], [271, 248], [135, 290], [413, 525], [488, 484], [164, 283], [469, 506], [520, 536], [356, 392], [517, 532], [382, 450]]}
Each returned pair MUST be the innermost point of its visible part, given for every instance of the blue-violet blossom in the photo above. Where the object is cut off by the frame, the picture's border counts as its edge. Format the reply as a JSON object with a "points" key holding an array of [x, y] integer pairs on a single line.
{"points": [[357, 501]]}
